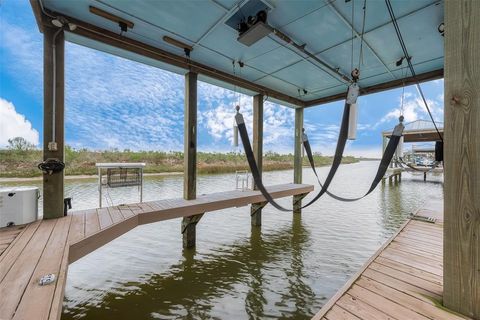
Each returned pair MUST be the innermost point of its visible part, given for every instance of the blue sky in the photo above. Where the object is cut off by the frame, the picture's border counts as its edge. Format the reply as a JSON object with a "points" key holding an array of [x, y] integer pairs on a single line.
{"points": [[141, 107]]}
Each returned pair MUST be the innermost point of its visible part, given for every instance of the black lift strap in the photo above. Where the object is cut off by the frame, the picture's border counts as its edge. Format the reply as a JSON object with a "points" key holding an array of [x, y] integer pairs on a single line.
{"points": [[342, 140], [429, 169], [382, 168]]}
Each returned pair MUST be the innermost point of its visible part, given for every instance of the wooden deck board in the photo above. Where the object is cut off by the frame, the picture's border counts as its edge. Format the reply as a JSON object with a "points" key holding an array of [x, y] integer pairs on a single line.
{"points": [[403, 280], [48, 246]]}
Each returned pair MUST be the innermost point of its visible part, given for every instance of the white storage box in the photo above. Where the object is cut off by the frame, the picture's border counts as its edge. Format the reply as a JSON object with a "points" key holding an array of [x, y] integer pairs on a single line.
{"points": [[18, 205]]}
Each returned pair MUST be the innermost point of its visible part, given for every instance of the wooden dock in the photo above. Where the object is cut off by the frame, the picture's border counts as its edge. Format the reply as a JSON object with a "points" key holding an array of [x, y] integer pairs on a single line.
{"points": [[48, 246], [402, 280]]}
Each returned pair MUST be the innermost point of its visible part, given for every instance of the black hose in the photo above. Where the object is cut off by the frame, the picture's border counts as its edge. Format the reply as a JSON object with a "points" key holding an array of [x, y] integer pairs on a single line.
{"points": [[51, 166]]}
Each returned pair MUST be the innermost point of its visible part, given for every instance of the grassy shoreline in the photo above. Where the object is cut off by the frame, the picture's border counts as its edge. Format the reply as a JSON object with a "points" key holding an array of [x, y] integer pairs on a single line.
{"points": [[23, 163]]}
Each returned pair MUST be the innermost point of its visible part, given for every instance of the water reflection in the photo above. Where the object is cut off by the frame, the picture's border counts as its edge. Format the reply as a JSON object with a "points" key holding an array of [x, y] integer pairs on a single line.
{"points": [[198, 281], [288, 268]]}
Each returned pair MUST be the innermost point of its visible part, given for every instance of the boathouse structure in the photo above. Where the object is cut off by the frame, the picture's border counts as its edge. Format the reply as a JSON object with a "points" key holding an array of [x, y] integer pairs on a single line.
{"points": [[301, 54]]}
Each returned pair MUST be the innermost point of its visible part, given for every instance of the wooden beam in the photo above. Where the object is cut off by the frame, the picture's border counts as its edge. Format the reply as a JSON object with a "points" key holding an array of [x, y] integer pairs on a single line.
{"points": [[189, 224], [298, 159], [256, 210], [109, 16], [397, 83], [189, 232], [53, 185], [462, 158], [123, 42], [190, 138], [39, 16]]}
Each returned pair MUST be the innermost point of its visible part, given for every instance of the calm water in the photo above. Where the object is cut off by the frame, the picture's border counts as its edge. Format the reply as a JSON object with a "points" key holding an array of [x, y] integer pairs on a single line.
{"points": [[287, 269]]}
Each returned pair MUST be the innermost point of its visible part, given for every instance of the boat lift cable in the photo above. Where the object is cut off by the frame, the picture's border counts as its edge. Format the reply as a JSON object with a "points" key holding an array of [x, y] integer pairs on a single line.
{"points": [[382, 168], [386, 159], [410, 65], [342, 140]]}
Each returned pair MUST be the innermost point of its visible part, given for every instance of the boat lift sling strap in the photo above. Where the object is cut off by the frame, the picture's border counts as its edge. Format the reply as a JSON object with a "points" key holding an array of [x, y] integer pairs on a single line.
{"points": [[337, 159], [427, 170]]}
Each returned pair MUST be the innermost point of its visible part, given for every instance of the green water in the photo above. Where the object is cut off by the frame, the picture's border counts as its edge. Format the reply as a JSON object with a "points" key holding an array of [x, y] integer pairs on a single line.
{"points": [[287, 269]]}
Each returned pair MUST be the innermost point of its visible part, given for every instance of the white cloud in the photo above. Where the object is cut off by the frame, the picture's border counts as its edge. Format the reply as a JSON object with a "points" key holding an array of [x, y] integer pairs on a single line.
{"points": [[219, 121], [414, 109], [14, 124]]}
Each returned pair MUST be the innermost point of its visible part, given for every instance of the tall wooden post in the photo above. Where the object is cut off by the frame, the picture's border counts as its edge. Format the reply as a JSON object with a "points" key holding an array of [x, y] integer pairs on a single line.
{"points": [[53, 185], [256, 208], [190, 157], [461, 260], [297, 161]]}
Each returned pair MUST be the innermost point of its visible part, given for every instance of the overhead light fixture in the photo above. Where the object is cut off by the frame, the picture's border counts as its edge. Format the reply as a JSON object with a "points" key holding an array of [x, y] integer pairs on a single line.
{"points": [[60, 22], [174, 42], [122, 23]]}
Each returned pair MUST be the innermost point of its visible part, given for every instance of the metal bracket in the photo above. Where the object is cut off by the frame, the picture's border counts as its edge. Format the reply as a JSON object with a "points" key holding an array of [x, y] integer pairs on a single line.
{"points": [[298, 198], [257, 207], [186, 221]]}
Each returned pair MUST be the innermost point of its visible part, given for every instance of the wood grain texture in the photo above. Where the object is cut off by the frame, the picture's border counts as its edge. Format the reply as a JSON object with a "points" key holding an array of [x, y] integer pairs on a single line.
{"points": [[48, 246], [256, 211], [462, 157], [402, 280], [297, 157], [190, 137], [53, 184]]}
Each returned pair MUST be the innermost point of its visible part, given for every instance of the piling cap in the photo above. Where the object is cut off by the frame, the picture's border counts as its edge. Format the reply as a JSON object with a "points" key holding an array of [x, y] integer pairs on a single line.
{"points": [[237, 107], [401, 118]]}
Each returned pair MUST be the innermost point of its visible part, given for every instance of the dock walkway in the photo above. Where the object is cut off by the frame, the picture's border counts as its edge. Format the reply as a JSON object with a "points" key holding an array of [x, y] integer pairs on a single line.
{"points": [[402, 280], [48, 246]]}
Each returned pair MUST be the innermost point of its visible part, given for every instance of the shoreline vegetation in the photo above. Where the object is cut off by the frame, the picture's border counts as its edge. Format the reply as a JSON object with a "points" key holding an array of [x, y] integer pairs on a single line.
{"points": [[18, 164]]}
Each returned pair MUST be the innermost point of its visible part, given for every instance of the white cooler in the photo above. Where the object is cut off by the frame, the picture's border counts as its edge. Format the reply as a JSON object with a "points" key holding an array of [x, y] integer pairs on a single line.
{"points": [[18, 205]]}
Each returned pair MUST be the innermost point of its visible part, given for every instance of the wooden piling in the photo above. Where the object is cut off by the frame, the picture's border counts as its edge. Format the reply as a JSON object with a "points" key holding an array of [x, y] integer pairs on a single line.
{"points": [[256, 208], [461, 258], [53, 184], [297, 162], [190, 156]]}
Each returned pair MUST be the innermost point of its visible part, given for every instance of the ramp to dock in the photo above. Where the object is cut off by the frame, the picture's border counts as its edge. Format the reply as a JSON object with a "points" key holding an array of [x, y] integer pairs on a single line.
{"points": [[402, 280], [48, 246]]}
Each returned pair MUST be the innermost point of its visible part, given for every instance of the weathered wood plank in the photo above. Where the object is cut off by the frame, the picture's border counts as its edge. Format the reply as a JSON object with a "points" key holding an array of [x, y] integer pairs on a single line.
{"points": [[383, 304], [77, 227], [92, 223], [420, 306], [36, 301], [337, 313], [462, 157], [190, 137], [8, 258], [104, 218], [115, 214], [361, 309], [15, 281], [410, 270]]}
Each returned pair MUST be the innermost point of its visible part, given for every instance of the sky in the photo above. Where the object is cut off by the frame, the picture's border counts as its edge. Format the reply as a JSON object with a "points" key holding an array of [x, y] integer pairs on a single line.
{"points": [[141, 107]]}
